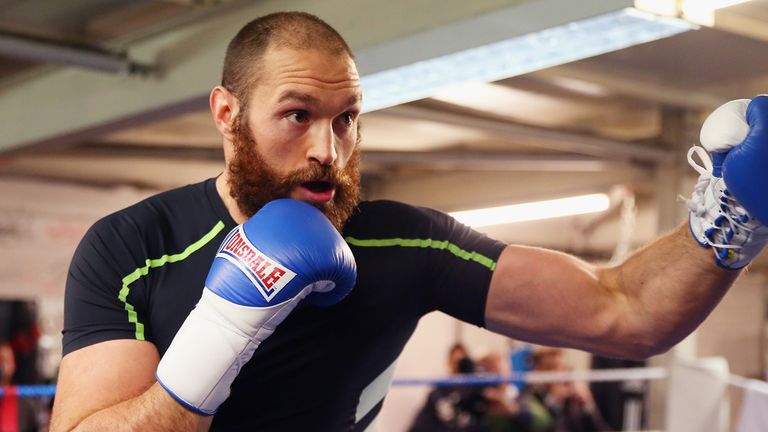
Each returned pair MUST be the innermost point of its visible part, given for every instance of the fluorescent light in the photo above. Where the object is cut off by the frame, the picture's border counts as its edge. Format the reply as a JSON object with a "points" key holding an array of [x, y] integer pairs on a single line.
{"points": [[703, 11], [582, 204], [718, 4], [534, 51], [696, 11]]}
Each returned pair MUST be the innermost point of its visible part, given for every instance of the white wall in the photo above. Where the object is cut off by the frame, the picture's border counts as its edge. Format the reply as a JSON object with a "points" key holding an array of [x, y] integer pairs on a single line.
{"points": [[735, 328], [41, 224]]}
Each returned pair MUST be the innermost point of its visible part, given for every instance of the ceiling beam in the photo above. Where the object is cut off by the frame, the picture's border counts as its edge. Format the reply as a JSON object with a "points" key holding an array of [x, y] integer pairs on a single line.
{"points": [[629, 83], [68, 105], [145, 172], [739, 23], [483, 161], [142, 151], [602, 148]]}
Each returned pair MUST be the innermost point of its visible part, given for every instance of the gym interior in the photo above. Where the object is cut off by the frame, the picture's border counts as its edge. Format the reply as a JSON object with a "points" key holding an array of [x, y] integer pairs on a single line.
{"points": [[467, 105]]}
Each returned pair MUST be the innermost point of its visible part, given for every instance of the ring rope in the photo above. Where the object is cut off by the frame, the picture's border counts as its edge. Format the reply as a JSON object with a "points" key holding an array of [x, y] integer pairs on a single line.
{"points": [[604, 375]]}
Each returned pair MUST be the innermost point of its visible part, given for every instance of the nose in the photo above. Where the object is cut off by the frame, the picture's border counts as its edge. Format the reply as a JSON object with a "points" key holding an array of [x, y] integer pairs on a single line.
{"points": [[322, 148]]}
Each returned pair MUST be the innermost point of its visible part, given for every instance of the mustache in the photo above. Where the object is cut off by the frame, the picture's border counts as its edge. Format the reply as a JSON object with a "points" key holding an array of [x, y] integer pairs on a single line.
{"points": [[253, 182], [317, 172]]}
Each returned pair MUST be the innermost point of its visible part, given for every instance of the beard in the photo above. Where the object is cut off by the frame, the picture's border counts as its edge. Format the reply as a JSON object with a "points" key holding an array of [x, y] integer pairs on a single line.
{"points": [[253, 183]]}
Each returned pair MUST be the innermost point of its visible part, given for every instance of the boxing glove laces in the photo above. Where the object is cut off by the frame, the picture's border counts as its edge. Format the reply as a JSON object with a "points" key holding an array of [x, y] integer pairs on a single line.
{"points": [[727, 209]]}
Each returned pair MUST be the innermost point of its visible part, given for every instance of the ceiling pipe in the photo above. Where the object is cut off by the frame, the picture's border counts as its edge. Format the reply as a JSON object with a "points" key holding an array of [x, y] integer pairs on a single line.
{"points": [[43, 51]]}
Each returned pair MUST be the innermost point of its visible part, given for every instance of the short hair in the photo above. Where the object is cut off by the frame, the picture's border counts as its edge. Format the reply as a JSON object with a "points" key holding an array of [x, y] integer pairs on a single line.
{"points": [[546, 352], [295, 30], [458, 346]]}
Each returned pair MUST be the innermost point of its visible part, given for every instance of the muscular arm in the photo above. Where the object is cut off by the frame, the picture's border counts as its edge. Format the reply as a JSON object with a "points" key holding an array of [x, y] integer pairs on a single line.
{"points": [[637, 309], [111, 386]]}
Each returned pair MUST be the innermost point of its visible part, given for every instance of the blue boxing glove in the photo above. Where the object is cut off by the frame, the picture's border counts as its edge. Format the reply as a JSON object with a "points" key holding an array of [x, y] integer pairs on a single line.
{"points": [[263, 269], [727, 208], [744, 165]]}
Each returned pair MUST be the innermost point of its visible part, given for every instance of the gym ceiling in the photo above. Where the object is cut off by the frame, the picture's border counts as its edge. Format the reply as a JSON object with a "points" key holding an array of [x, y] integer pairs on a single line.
{"points": [[103, 99]]}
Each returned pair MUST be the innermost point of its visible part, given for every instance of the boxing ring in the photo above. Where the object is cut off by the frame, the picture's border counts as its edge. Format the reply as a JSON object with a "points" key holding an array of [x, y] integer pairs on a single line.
{"points": [[701, 395]]}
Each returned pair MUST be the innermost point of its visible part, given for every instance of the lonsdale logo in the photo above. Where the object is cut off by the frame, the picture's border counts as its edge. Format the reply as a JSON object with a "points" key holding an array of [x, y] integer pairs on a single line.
{"points": [[267, 274]]}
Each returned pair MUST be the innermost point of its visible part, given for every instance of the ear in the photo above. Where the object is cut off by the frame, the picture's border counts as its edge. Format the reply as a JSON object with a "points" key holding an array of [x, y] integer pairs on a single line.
{"points": [[224, 108]]}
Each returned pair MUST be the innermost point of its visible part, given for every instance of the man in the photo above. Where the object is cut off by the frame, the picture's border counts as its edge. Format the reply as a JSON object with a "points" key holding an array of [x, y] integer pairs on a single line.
{"points": [[454, 408], [288, 112], [560, 406], [16, 413]]}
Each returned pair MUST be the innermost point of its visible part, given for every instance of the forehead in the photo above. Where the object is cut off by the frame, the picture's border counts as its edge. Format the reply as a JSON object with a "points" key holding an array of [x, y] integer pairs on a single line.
{"points": [[311, 71]]}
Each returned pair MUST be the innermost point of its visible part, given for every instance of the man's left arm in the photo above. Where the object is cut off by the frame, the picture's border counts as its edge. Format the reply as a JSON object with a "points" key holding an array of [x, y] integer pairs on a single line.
{"points": [[662, 292], [637, 309]]}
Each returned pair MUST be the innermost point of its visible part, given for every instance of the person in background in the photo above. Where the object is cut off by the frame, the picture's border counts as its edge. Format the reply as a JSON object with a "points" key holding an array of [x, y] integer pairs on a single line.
{"points": [[454, 408], [505, 413], [19, 328], [7, 364], [560, 406], [16, 414], [456, 354]]}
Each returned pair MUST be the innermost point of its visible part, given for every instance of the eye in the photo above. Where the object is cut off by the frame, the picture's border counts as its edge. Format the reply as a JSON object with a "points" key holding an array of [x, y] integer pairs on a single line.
{"points": [[347, 119], [298, 117]]}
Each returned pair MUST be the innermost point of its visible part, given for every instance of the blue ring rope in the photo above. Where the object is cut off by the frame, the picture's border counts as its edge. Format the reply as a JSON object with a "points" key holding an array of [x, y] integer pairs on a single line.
{"points": [[49, 390]]}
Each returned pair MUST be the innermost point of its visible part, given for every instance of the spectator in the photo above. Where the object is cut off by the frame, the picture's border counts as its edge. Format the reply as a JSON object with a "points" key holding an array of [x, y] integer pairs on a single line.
{"points": [[560, 406], [456, 354], [16, 414], [504, 413], [454, 408]]}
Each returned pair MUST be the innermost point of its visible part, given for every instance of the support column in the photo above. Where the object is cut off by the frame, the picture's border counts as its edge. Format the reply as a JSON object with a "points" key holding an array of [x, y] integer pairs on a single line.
{"points": [[680, 130]]}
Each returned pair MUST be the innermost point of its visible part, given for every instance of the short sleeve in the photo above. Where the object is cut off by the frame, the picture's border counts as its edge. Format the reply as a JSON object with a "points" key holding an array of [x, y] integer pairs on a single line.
{"points": [[460, 267], [101, 301]]}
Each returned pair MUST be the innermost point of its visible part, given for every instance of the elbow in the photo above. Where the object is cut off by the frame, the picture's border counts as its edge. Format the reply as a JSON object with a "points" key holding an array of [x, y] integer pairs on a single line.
{"points": [[644, 351], [657, 343], [630, 350], [631, 340], [651, 339], [644, 342], [636, 351]]}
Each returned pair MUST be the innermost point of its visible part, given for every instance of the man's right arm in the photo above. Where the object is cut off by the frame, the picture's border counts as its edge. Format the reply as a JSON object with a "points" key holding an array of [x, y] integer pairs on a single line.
{"points": [[123, 385], [106, 375], [111, 386]]}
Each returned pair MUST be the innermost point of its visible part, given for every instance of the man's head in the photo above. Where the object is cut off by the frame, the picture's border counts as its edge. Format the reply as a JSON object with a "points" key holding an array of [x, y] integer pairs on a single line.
{"points": [[7, 363], [288, 109], [493, 362], [456, 354], [299, 31], [549, 359]]}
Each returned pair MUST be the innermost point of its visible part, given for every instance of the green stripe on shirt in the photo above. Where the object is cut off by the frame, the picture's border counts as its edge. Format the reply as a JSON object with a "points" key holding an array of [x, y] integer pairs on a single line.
{"points": [[426, 243], [155, 263]]}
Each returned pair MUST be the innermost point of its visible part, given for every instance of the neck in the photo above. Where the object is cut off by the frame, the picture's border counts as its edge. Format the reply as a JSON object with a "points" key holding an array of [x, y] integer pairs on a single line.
{"points": [[222, 187]]}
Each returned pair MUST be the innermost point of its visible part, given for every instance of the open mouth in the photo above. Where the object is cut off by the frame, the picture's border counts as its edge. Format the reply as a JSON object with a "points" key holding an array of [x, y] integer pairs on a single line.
{"points": [[318, 186]]}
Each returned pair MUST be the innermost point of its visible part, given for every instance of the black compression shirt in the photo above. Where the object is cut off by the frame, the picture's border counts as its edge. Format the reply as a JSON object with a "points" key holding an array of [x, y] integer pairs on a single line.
{"points": [[138, 273]]}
